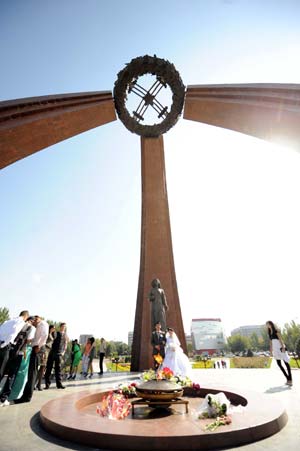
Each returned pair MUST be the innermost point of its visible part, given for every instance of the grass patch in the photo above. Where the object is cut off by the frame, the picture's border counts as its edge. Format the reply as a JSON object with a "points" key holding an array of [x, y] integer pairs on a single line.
{"points": [[202, 365], [117, 367], [250, 362], [293, 363]]}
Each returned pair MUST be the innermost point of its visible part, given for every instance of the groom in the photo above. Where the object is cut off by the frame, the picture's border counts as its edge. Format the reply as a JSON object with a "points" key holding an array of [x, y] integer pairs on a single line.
{"points": [[158, 342]]}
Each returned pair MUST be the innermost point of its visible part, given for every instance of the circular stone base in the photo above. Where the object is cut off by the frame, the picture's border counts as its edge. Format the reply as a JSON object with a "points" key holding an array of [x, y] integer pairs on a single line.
{"points": [[73, 417]]}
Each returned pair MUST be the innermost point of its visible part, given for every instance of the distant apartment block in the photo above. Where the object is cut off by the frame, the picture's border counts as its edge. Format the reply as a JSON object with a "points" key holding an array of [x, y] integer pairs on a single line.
{"points": [[129, 340], [247, 331]]}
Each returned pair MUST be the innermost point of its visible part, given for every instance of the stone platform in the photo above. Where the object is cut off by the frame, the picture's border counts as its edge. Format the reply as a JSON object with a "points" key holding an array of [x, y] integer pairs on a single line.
{"points": [[21, 426], [73, 417]]}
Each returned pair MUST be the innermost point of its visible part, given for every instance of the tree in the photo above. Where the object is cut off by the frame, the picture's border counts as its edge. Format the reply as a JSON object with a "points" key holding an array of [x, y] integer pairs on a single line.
{"points": [[226, 347], [110, 348], [4, 314], [290, 334], [264, 340], [114, 348], [297, 351], [121, 348], [254, 342], [190, 349], [238, 343]]}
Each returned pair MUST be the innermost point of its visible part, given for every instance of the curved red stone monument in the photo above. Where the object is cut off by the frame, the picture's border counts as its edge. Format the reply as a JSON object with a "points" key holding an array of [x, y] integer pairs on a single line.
{"points": [[29, 125], [73, 417], [267, 111]]}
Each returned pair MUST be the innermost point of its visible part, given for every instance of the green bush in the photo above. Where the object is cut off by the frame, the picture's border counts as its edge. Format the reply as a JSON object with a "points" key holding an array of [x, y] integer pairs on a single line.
{"points": [[250, 362], [293, 363]]}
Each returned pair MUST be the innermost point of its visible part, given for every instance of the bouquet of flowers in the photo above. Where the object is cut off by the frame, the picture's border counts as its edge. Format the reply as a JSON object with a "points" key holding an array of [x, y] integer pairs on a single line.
{"points": [[184, 381], [215, 406], [128, 391], [219, 421], [114, 406], [149, 375], [190, 388], [159, 375], [165, 373]]}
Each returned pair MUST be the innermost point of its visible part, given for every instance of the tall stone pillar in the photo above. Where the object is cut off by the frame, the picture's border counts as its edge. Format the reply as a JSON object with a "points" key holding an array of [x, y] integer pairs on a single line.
{"points": [[156, 260]]}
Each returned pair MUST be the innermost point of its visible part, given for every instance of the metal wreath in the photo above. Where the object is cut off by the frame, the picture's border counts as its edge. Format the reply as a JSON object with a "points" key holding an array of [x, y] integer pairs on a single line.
{"points": [[168, 74]]}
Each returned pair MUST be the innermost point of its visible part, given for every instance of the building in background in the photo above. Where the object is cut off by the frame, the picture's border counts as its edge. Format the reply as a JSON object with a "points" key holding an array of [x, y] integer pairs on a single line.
{"points": [[130, 338], [247, 331], [208, 336]]}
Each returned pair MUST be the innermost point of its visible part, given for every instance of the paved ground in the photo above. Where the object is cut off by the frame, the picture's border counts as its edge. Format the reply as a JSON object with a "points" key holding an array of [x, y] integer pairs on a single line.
{"points": [[20, 427]]}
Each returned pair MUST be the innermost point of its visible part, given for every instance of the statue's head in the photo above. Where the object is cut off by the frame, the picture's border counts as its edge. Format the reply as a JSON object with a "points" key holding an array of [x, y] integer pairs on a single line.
{"points": [[155, 283]]}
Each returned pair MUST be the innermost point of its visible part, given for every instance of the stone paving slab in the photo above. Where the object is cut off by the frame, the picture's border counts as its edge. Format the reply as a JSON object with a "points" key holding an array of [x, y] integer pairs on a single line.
{"points": [[20, 427]]}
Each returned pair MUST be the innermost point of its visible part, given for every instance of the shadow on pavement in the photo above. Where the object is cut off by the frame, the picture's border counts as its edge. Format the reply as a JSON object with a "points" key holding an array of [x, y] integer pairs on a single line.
{"points": [[115, 378], [36, 427], [278, 389]]}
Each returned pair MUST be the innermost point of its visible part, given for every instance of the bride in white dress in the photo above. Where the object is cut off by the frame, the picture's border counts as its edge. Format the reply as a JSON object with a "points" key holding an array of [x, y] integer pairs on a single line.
{"points": [[175, 359]]}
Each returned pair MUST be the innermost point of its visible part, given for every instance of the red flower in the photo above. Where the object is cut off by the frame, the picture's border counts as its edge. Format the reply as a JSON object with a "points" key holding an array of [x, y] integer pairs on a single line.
{"points": [[167, 373]]}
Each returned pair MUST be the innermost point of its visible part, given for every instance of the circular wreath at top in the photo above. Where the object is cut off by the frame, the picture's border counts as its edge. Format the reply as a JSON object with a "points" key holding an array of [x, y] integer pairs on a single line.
{"points": [[167, 74]]}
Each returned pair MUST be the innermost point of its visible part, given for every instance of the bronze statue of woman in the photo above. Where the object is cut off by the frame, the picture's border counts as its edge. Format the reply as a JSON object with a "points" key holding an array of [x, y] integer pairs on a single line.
{"points": [[159, 305]]}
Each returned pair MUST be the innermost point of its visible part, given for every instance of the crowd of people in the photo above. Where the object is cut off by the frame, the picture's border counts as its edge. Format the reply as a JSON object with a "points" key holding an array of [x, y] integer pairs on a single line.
{"points": [[220, 364], [19, 361], [30, 348]]}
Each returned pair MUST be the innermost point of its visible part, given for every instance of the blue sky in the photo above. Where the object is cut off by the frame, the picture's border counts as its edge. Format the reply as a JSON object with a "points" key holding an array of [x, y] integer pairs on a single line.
{"points": [[70, 214]]}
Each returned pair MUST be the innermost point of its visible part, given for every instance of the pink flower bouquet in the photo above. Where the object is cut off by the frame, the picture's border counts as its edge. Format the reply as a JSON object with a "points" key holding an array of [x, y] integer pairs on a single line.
{"points": [[115, 406]]}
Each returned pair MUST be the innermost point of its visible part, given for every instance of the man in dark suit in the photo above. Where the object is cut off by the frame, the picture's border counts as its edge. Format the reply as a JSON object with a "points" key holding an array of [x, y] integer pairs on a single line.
{"points": [[55, 357], [158, 341]]}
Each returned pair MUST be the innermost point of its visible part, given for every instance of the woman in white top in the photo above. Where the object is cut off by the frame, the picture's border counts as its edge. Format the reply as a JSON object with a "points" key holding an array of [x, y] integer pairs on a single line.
{"points": [[278, 351], [175, 359]]}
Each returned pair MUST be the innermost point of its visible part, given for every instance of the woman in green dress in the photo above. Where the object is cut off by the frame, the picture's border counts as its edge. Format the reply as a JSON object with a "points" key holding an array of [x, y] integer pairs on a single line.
{"points": [[75, 359], [26, 336]]}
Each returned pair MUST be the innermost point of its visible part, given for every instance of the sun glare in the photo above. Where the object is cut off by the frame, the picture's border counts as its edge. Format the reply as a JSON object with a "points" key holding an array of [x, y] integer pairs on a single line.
{"points": [[235, 221]]}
